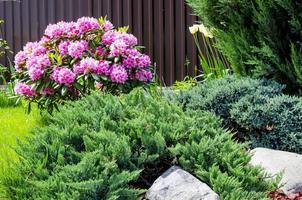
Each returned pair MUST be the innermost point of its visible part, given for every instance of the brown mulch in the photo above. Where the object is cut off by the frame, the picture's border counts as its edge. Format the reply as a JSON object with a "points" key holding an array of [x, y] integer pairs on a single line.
{"points": [[279, 195]]}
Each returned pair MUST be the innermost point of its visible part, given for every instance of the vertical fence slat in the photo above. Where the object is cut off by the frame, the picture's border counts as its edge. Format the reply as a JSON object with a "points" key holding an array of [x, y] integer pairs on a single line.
{"points": [[60, 10], [148, 26], [51, 11], [191, 51], [158, 42], [43, 14], [9, 27], [68, 10], [97, 8], [137, 20], [25, 21], [180, 34], [17, 27], [2, 31], [34, 20], [118, 13], [127, 14], [169, 42], [106, 8]]}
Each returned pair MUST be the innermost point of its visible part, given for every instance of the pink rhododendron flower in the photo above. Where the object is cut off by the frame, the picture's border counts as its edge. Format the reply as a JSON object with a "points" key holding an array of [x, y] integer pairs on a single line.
{"points": [[45, 39], [48, 91], [54, 30], [72, 29], [109, 37], [129, 39], [133, 52], [63, 47], [35, 72], [31, 61], [118, 47], [144, 61], [43, 60], [130, 61], [143, 75], [38, 50], [66, 76], [78, 69], [37, 61], [87, 23], [85, 66], [24, 89], [20, 57], [103, 67], [107, 26], [118, 74], [29, 47], [100, 51], [75, 49], [63, 76], [55, 74]]}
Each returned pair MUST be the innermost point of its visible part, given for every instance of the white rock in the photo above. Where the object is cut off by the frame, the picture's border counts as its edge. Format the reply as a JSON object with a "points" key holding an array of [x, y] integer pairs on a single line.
{"points": [[274, 162], [177, 184]]}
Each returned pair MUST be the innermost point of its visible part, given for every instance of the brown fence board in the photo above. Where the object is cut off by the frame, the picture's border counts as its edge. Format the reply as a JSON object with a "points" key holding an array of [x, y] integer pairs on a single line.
{"points": [[160, 25], [180, 33]]}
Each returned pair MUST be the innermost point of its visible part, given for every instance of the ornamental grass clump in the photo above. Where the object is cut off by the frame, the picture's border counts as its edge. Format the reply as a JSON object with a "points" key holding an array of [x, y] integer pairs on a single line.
{"points": [[74, 58], [121, 144]]}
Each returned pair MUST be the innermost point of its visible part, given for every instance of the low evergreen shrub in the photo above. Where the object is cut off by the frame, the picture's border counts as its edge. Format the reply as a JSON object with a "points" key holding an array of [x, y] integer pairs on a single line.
{"points": [[271, 122], [255, 109], [109, 147], [218, 95]]}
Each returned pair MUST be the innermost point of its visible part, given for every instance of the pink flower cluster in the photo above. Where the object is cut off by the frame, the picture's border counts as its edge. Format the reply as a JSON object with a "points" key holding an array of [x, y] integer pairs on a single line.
{"points": [[75, 49], [24, 89], [71, 29], [81, 54], [63, 75], [91, 65], [119, 74]]}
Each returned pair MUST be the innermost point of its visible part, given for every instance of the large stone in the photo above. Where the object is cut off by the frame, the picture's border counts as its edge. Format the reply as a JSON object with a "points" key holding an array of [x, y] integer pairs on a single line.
{"points": [[177, 184], [275, 162]]}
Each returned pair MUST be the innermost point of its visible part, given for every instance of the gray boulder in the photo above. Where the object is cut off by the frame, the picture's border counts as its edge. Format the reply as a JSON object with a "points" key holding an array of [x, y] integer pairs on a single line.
{"points": [[275, 162], [177, 184]]}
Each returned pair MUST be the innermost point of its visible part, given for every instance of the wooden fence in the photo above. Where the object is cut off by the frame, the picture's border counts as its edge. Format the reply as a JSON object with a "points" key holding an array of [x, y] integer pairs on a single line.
{"points": [[160, 25]]}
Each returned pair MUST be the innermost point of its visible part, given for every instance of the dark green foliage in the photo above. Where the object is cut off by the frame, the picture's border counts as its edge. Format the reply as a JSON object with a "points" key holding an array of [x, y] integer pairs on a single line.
{"points": [[256, 109], [259, 37], [218, 95], [271, 122], [108, 147]]}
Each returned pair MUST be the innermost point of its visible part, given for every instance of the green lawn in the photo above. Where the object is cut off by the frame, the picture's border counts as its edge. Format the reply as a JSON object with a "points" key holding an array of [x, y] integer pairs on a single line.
{"points": [[14, 125]]}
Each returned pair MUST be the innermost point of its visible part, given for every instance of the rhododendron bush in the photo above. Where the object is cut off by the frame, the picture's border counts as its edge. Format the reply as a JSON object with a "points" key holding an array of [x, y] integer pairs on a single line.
{"points": [[74, 58]]}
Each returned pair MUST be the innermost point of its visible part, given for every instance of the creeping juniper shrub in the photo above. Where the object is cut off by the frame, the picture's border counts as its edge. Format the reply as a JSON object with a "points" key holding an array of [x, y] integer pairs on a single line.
{"points": [[253, 108], [218, 95], [109, 147], [271, 122]]}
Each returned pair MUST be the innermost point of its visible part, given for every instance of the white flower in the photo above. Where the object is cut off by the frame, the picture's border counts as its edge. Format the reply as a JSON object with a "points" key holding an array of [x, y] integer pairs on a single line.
{"points": [[205, 31], [194, 29]]}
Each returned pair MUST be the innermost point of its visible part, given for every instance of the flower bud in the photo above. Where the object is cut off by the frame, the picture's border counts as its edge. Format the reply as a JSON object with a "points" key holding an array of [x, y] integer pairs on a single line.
{"points": [[194, 29]]}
